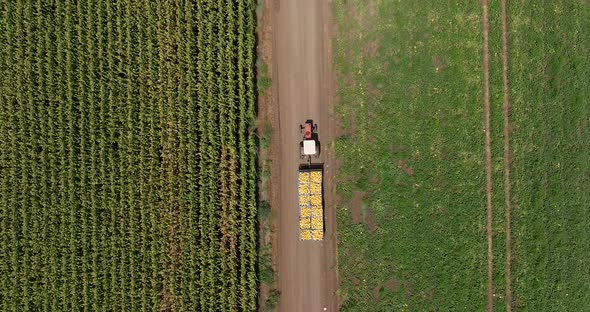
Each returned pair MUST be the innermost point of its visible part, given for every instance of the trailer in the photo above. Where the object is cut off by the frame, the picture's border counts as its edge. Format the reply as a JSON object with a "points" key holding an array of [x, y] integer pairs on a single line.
{"points": [[311, 202]]}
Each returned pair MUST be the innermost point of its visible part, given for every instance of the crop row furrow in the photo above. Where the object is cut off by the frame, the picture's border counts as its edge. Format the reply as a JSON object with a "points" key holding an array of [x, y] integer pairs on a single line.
{"points": [[121, 164], [225, 226], [112, 156], [230, 90], [6, 172], [52, 232], [62, 242], [132, 96], [73, 153], [212, 162], [94, 186], [16, 174], [103, 213], [200, 89], [42, 267], [143, 163], [84, 111], [156, 245], [192, 138], [186, 186]]}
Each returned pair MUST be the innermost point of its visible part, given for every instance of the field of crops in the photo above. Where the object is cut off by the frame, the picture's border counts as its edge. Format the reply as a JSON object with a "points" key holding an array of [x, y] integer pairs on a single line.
{"points": [[412, 173], [127, 165], [551, 113], [411, 225]]}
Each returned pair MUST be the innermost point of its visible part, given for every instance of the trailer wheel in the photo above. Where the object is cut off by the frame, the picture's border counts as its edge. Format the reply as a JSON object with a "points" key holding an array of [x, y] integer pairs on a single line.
{"points": [[318, 148]]}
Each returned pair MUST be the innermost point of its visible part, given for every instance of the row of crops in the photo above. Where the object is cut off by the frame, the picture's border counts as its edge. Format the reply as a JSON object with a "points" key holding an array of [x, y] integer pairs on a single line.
{"points": [[127, 169]]}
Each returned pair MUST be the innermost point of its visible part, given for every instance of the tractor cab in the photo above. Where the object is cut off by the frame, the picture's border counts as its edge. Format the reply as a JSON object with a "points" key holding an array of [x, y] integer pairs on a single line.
{"points": [[310, 145]]}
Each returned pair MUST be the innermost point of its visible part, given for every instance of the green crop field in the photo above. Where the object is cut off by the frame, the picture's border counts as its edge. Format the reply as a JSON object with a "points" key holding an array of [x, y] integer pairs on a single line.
{"points": [[127, 161], [411, 223], [551, 147]]}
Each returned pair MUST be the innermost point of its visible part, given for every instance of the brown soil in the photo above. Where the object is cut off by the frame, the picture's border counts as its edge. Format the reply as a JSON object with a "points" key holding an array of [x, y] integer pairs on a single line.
{"points": [[507, 156], [377, 293], [393, 285], [397, 149], [401, 164], [371, 48], [356, 207], [377, 93], [429, 295], [440, 64], [370, 219], [374, 180], [488, 151]]}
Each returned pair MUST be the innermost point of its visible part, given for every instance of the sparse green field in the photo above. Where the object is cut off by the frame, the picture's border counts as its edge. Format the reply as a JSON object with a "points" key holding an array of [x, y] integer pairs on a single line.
{"points": [[551, 146], [411, 224], [127, 158]]}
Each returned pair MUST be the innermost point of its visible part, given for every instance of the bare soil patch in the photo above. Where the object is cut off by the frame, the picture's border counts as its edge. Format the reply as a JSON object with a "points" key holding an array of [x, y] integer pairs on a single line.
{"points": [[356, 207], [377, 293], [376, 92], [439, 63], [393, 285], [369, 217], [374, 180], [401, 164], [371, 48], [394, 149], [429, 295]]}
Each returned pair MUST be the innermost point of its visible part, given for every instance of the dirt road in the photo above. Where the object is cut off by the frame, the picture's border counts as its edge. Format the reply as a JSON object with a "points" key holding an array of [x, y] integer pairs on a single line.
{"points": [[304, 84]]}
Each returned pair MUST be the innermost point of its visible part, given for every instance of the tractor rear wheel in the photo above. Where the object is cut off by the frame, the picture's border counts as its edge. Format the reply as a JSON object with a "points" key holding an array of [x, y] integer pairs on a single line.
{"points": [[317, 148]]}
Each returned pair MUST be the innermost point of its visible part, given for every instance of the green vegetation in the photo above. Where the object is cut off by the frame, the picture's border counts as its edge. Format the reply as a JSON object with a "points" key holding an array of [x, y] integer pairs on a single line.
{"points": [[272, 301], [410, 90], [411, 227], [551, 146], [127, 171], [264, 80]]}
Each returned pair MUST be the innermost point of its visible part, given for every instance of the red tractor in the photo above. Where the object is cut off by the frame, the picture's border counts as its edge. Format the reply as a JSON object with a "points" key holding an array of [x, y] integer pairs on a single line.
{"points": [[310, 145]]}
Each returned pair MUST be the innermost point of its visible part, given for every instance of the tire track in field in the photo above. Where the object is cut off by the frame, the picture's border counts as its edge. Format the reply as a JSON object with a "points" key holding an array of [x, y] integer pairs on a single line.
{"points": [[488, 151], [506, 108]]}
